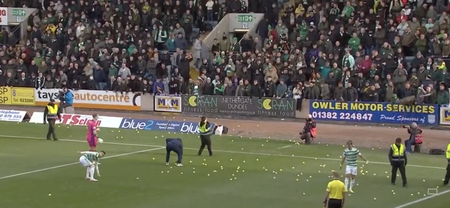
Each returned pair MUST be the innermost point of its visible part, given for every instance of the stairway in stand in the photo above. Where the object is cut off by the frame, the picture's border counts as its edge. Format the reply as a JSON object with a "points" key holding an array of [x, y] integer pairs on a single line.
{"points": [[193, 71]]}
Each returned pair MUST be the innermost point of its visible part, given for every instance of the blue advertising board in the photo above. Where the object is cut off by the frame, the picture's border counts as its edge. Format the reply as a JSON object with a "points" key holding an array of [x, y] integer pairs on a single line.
{"points": [[374, 112], [160, 125]]}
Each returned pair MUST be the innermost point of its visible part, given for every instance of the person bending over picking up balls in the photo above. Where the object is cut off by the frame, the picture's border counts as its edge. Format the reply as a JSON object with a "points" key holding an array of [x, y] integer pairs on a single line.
{"points": [[89, 160], [350, 157], [175, 145], [91, 135]]}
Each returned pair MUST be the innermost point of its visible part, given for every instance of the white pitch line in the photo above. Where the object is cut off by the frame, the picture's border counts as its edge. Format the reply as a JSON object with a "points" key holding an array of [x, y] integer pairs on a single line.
{"points": [[225, 151], [422, 199], [284, 147], [75, 163]]}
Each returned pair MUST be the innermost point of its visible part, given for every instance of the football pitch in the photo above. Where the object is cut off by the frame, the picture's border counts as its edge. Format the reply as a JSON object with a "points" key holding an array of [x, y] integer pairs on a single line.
{"points": [[244, 172]]}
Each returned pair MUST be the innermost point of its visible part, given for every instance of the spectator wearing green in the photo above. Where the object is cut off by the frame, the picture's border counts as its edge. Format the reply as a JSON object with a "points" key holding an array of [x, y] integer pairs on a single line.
{"points": [[348, 10], [354, 42], [442, 95]]}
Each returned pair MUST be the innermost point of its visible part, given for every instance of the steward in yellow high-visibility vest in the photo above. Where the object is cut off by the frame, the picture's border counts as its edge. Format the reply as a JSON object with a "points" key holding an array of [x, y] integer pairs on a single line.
{"points": [[205, 130], [398, 160], [447, 175], [51, 113]]}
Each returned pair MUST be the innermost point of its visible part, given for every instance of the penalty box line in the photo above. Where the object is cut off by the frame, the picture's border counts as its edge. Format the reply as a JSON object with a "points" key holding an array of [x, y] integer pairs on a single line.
{"points": [[423, 199], [224, 151], [76, 163]]}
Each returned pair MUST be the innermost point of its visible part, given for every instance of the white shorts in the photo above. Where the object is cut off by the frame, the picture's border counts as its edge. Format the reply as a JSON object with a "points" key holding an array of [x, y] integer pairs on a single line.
{"points": [[85, 162], [351, 170]]}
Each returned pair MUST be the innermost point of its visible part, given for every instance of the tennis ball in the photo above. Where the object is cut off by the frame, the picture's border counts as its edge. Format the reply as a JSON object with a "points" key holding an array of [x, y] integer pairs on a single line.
{"points": [[162, 171], [49, 194], [208, 174], [181, 173], [193, 171], [257, 159], [374, 199]]}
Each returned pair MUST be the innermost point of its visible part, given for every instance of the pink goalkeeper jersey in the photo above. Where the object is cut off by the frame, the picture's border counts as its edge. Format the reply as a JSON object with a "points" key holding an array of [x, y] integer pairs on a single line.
{"points": [[91, 130]]}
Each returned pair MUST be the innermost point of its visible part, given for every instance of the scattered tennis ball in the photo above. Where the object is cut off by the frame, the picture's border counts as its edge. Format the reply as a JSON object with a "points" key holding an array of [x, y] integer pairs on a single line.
{"points": [[49, 194]]}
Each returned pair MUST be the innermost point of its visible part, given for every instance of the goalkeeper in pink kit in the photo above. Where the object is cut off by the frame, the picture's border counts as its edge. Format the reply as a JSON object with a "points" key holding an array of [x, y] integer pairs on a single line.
{"points": [[92, 139], [91, 135]]}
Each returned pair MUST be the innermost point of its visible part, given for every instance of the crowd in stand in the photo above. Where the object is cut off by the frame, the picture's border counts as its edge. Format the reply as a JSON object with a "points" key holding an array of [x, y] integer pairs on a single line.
{"points": [[340, 50], [119, 45], [335, 50]]}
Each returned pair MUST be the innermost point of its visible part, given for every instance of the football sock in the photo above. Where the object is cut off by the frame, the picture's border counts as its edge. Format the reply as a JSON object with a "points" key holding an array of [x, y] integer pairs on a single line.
{"points": [[346, 183], [96, 168], [352, 183], [87, 172], [92, 171]]}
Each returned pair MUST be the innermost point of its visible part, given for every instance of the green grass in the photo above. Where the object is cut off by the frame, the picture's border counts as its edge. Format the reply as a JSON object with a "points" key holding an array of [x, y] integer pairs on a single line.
{"points": [[244, 172]]}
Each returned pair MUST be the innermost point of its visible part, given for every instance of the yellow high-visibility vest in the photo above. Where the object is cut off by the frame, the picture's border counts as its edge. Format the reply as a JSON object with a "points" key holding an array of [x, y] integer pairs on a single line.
{"points": [[398, 151], [448, 151], [203, 128], [52, 111]]}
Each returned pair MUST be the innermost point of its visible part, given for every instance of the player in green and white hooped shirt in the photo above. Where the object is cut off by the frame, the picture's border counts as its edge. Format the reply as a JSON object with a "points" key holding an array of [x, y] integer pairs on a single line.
{"points": [[89, 160], [350, 157]]}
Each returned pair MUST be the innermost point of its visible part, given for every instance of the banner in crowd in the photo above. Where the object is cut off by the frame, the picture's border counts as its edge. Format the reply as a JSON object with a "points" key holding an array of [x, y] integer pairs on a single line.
{"points": [[374, 112], [80, 120], [167, 103], [160, 125], [96, 99], [12, 115], [239, 106], [444, 115]]}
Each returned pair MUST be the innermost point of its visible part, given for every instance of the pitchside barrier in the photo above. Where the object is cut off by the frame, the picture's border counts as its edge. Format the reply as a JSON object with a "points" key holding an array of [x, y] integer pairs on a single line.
{"points": [[325, 110]]}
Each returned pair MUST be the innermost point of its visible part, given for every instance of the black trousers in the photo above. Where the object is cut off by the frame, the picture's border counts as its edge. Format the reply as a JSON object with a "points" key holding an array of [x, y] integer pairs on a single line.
{"points": [[51, 129], [334, 203], [206, 141], [447, 175], [398, 165]]}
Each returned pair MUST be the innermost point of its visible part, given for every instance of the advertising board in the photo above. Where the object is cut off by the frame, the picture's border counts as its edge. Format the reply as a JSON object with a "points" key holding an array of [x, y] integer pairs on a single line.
{"points": [[95, 99], [12, 115], [80, 120], [240, 106], [374, 112], [167, 103], [160, 125]]}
